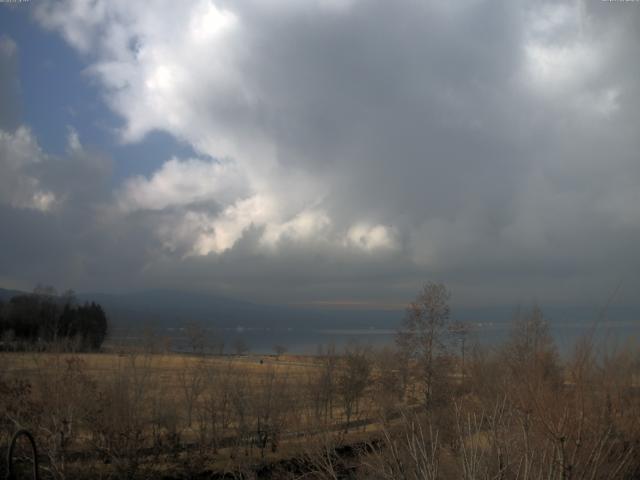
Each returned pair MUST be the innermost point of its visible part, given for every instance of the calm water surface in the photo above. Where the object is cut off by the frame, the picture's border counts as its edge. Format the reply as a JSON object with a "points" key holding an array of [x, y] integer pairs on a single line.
{"points": [[301, 341]]}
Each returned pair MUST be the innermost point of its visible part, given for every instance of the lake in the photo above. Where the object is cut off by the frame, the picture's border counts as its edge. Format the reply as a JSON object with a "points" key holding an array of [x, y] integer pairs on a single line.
{"points": [[307, 341]]}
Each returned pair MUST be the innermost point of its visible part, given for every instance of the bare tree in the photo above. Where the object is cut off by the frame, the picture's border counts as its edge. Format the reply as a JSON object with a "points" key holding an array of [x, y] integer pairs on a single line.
{"points": [[321, 456], [424, 332], [196, 336], [240, 346], [216, 341], [215, 413], [388, 381], [460, 332], [117, 416], [530, 352], [410, 452], [191, 378], [279, 350], [271, 406], [8, 340], [323, 384], [61, 384], [353, 378]]}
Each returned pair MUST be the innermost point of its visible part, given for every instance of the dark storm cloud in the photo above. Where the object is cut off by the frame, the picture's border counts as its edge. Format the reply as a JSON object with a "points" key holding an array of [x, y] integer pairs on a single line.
{"points": [[369, 146], [78, 241], [401, 111], [432, 125]]}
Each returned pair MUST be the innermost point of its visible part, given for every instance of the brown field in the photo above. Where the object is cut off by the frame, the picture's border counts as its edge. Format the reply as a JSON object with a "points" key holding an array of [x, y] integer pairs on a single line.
{"points": [[160, 407], [165, 368], [515, 412]]}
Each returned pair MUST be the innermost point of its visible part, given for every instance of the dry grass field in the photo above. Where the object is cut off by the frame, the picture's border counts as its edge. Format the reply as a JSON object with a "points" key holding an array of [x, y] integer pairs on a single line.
{"points": [[512, 412], [165, 368], [148, 411]]}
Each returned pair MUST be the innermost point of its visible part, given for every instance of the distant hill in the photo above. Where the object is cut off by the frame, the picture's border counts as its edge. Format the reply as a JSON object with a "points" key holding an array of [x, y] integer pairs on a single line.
{"points": [[173, 308], [5, 294]]}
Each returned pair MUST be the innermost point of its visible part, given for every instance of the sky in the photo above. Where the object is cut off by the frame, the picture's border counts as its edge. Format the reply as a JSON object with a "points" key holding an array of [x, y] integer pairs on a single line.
{"points": [[323, 152]]}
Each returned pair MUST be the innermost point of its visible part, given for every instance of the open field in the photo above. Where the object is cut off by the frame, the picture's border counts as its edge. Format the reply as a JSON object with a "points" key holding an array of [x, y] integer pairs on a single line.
{"points": [[165, 368], [513, 412], [155, 406]]}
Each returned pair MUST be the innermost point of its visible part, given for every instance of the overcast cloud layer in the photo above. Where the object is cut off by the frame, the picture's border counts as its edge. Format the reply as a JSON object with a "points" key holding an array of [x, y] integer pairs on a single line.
{"points": [[344, 149]]}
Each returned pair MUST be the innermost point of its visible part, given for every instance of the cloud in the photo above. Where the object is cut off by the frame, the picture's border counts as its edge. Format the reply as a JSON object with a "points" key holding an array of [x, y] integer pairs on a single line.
{"points": [[20, 158], [307, 226], [10, 91], [566, 62], [370, 237], [480, 143], [183, 182], [59, 225]]}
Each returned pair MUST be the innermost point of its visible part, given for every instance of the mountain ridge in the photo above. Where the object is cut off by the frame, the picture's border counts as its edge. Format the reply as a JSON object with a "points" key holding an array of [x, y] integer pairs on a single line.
{"points": [[174, 308]]}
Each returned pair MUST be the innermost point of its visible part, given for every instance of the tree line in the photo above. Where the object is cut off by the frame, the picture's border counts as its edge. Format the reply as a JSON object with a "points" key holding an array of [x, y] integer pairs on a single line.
{"points": [[45, 317]]}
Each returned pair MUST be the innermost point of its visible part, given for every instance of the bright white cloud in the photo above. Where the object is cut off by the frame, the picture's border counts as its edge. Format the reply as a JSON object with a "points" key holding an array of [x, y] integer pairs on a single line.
{"points": [[370, 237], [19, 183], [183, 73], [210, 22], [308, 225], [184, 182], [222, 232], [77, 21], [565, 59]]}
